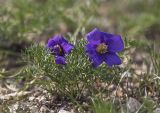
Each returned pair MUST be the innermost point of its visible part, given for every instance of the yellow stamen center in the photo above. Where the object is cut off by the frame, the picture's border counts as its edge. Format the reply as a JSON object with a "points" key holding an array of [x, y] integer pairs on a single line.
{"points": [[102, 48]]}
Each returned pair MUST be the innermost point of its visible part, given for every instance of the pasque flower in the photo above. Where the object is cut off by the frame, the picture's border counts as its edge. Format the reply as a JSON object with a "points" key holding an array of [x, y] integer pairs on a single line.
{"points": [[59, 47], [102, 47]]}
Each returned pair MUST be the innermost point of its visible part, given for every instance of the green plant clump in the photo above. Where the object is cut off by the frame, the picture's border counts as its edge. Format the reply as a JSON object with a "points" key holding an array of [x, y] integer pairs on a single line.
{"points": [[70, 79]]}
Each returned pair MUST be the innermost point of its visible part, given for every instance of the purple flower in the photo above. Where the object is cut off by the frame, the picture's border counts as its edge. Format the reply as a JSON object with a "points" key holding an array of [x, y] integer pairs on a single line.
{"points": [[59, 47], [102, 47]]}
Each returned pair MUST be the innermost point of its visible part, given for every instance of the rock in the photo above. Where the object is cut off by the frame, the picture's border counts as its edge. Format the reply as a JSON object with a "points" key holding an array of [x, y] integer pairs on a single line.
{"points": [[64, 111], [44, 109], [157, 110], [133, 105], [34, 109], [13, 108], [31, 98]]}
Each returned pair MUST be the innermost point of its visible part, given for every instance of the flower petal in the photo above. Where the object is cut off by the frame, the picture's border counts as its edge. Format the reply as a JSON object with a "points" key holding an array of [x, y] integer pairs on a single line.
{"points": [[60, 60], [59, 39], [115, 44], [50, 43], [67, 47], [94, 36], [106, 36], [112, 59], [90, 49], [95, 58]]}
